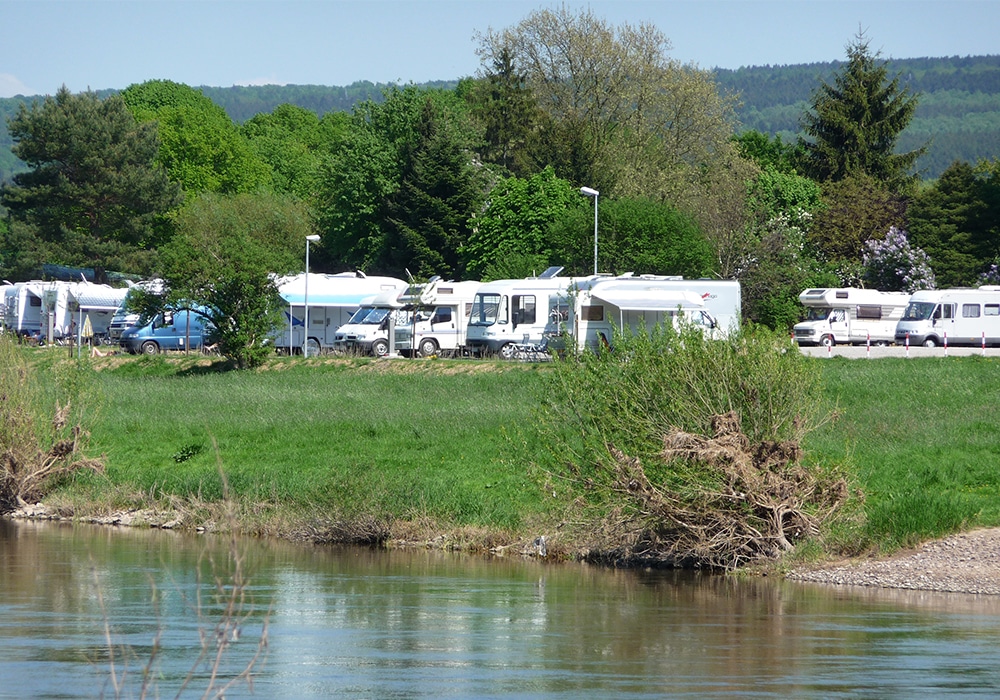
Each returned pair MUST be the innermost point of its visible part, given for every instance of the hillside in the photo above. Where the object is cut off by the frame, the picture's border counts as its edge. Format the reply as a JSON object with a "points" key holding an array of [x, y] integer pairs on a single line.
{"points": [[958, 113]]}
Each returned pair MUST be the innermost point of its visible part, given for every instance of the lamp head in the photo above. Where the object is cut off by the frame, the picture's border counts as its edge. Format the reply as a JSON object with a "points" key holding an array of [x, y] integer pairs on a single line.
{"points": [[589, 191]]}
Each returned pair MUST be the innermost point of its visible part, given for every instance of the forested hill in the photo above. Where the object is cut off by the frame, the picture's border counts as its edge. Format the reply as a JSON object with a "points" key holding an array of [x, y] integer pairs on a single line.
{"points": [[958, 111]]}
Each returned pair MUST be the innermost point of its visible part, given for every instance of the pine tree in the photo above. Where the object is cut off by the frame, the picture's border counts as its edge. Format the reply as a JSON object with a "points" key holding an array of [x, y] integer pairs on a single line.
{"points": [[854, 124]]}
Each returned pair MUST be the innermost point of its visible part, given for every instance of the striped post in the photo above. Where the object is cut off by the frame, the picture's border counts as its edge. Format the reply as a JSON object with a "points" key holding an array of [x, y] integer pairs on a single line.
{"points": [[907, 344], [946, 343], [868, 347], [984, 343]]}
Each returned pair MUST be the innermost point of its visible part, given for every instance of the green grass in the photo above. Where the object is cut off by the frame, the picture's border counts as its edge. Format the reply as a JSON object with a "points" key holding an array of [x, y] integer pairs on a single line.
{"points": [[457, 441], [923, 438]]}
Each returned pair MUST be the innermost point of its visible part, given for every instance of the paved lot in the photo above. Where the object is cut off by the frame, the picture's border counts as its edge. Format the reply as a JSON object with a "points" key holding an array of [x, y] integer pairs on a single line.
{"points": [[860, 351]]}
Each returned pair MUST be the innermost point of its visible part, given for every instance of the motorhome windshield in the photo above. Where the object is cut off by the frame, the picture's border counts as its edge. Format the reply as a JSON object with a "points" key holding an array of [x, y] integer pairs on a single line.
{"points": [[818, 313], [369, 316], [485, 309], [918, 311]]}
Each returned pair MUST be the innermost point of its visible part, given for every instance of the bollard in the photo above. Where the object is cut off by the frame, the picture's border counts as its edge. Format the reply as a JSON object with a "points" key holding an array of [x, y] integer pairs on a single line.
{"points": [[946, 343]]}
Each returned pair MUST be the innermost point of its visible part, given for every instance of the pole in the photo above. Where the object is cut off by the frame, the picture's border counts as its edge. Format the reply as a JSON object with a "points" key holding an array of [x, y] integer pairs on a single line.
{"points": [[595, 233], [305, 327]]}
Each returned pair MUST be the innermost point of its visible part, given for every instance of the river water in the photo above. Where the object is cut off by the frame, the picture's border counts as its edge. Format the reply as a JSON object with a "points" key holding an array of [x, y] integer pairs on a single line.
{"points": [[85, 610]]}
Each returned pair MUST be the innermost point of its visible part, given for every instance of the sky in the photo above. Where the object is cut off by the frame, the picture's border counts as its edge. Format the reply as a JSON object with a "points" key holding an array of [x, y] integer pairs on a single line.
{"points": [[98, 44]]}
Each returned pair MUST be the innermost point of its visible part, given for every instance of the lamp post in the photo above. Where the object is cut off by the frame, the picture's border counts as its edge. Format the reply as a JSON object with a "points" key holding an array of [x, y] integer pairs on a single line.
{"points": [[591, 192], [305, 300]]}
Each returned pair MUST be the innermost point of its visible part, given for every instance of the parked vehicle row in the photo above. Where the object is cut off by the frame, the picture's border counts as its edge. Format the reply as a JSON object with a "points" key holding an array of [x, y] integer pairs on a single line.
{"points": [[849, 316], [58, 311]]}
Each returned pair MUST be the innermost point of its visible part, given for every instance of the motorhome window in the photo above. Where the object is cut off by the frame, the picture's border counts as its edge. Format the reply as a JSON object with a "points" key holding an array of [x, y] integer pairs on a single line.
{"points": [[918, 311], [970, 310], [842, 294], [870, 312], [991, 310], [359, 315], [442, 315], [168, 318], [592, 313], [375, 316], [524, 308], [818, 313], [34, 301], [839, 315], [560, 312], [485, 309]]}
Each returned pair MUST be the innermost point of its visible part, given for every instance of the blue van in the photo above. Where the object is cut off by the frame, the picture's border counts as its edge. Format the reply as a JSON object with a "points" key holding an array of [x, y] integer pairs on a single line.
{"points": [[168, 330]]}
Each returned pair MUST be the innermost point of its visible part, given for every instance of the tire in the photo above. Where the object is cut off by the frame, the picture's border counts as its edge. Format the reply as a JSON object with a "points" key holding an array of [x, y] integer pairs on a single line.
{"points": [[380, 348], [881, 343], [428, 347], [930, 342], [149, 348], [827, 341], [313, 347], [507, 351]]}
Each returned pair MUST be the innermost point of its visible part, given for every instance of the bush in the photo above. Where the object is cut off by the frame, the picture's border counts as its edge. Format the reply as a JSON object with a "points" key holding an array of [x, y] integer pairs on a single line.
{"points": [[690, 446]]}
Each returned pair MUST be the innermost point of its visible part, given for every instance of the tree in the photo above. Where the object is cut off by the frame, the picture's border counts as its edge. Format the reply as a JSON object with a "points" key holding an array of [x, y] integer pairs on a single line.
{"points": [[224, 258], [94, 196], [615, 113], [893, 265], [510, 239], [634, 235], [200, 146], [853, 125]]}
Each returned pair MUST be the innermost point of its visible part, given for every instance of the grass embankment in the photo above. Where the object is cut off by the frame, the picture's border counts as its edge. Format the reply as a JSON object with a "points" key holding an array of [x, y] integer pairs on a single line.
{"points": [[453, 445]]}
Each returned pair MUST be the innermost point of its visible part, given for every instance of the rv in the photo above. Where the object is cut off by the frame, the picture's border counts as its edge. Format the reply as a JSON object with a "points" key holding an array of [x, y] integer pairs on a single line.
{"points": [[23, 308], [849, 316], [437, 317], [333, 299], [370, 329], [601, 305], [78, 310], [952, 317], [168, 330], [509, 313]]}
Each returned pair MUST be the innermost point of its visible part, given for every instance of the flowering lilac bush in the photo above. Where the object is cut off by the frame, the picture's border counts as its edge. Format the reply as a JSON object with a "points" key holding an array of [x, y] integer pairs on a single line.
{"points": [[991, 276], [893, 265]]}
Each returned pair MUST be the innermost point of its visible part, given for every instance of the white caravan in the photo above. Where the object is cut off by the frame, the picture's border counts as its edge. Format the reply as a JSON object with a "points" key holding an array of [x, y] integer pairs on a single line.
{"points": [[601, 305], [333, 299], [437, 317], [952, 316], [849, 316], [508, 313], [369, 330], [23, 307], [79, 309]]}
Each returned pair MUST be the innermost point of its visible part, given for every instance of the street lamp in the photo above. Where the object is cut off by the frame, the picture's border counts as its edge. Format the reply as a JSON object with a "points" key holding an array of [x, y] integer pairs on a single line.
{"points": [[591, 192], [305, 301]]}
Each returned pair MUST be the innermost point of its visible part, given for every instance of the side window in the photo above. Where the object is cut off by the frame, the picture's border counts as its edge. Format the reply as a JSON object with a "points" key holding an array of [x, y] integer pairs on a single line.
{"points": [[592, 313], [168, 318], [34, 301], [524, 308], [839, 315], [991, 310], [442, 314], [970, 310]]}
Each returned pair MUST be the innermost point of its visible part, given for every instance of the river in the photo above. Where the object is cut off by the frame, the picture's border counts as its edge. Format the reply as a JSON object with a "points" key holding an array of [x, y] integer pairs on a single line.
{"points": [[84, 610]]}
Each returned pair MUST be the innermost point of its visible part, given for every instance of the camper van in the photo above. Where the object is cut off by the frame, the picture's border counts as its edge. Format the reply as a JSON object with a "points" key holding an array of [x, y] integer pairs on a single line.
{"points": [[369, 330], [952, 316], [601, 305], [849, 316], [23, 308], [168, 330], [78, 309], [333, 300], [509, 313], [436, 317]]}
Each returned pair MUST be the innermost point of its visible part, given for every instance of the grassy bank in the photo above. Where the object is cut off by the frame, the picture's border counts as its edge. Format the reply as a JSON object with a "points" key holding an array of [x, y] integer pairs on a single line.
{"points": [[454, 444]]}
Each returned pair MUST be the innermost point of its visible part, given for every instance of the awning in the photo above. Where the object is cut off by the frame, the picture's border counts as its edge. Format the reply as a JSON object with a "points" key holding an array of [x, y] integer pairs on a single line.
{"points": [[649, 299]]}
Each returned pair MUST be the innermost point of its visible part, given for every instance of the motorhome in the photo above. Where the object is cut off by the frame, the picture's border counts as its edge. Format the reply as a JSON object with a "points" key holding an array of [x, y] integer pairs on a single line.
{"points": [[78, 310], [951, 316], [602, 305], [170, 329], [333, 300], [509, 313], [849, 316], [371, 330], [436, 317]]}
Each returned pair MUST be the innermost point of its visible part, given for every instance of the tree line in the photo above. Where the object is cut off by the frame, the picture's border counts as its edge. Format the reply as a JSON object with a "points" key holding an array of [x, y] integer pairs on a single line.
{"points": [[482, 180]]}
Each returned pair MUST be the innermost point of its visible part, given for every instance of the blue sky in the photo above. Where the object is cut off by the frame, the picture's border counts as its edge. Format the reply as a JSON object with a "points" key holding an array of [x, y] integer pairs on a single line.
{"points": [[98, 44]]}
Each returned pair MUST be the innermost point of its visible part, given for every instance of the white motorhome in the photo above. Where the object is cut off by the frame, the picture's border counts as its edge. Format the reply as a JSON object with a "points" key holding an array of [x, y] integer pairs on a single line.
{"points": [[369, 330], [333, 299], [79, 309], [952, 316], [437, 317], [601, 305], [849, 316], [508, 313]]}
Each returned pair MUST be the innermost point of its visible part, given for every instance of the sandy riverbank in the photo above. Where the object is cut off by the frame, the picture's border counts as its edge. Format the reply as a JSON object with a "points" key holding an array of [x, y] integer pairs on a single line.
{"points": [[965, 563]]}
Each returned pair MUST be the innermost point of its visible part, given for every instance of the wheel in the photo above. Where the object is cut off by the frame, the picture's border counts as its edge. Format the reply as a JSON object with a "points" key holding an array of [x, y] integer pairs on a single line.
{"points": [[428, 347], [312, 347], [827, 341], [507, 351], [380, 348], [881, 343], [930, 343], [149, 348]]}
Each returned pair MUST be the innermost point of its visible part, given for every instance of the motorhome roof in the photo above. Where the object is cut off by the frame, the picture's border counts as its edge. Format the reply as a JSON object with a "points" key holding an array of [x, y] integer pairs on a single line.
{"points": [[630, 298]]}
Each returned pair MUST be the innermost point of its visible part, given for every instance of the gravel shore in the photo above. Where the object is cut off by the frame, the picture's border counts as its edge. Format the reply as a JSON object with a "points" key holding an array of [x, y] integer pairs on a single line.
{"points": [[964, 563]]}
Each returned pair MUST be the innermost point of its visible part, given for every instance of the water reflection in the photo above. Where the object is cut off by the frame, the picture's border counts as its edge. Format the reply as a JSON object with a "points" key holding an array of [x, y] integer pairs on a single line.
{"points": [[362, 623]]}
